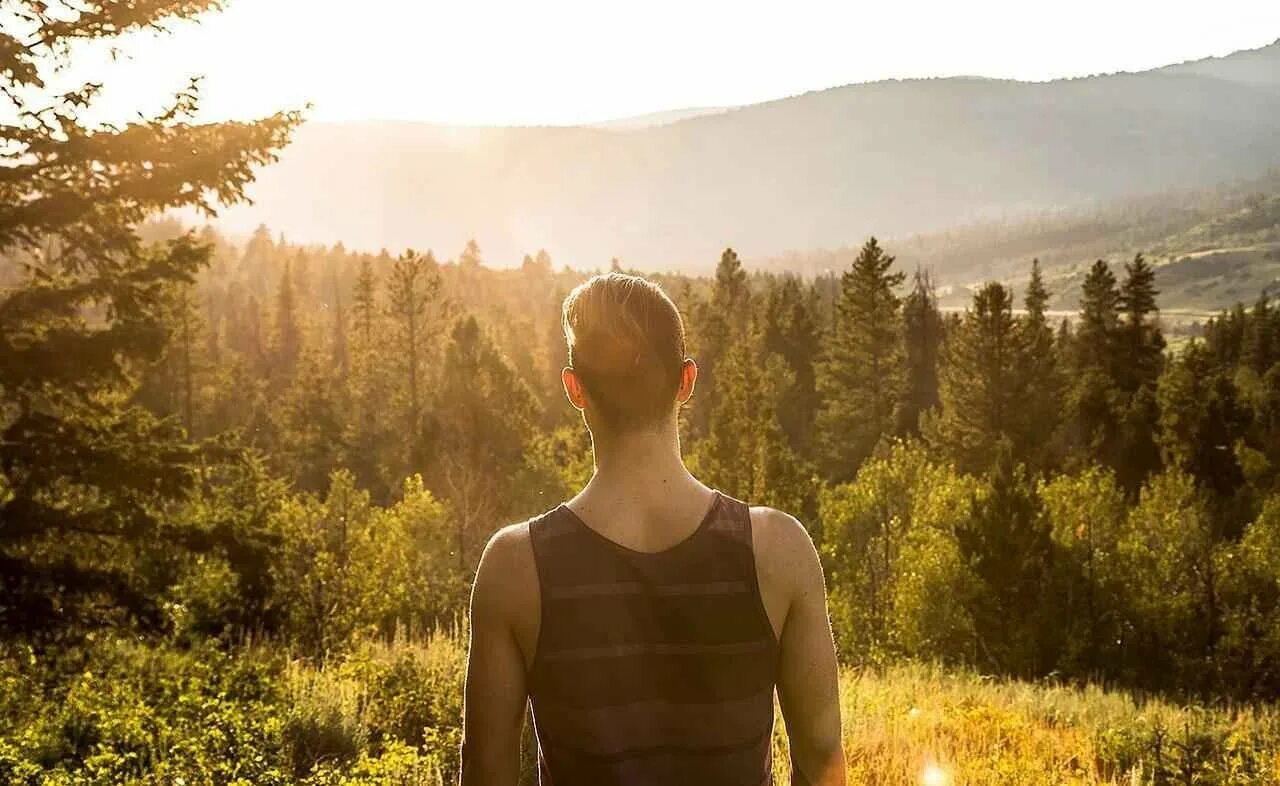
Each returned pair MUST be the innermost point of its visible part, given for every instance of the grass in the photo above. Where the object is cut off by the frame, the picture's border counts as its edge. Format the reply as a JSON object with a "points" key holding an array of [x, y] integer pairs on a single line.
{"points": [[126, 712], [927, 726]]}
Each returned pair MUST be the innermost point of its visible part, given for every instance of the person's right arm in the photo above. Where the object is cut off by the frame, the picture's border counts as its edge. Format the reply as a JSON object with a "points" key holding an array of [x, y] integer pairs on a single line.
{"points": [[808, 680], [496, 692]]}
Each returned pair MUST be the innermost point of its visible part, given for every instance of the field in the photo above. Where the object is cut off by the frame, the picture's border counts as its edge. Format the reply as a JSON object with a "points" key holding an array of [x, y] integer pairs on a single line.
{"points": [[118, 712]]}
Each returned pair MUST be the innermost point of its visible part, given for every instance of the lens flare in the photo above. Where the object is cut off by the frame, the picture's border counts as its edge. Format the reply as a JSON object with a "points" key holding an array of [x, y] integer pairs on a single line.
{"points": [[934, 775]]}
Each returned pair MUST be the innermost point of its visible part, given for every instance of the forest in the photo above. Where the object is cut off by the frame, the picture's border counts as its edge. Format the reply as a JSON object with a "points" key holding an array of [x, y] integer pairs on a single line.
{"points": [[244, 484]]}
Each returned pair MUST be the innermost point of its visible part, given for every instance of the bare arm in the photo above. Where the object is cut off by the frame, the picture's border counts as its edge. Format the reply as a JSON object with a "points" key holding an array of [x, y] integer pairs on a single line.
{"points": [[496, 691], [808, 686]]}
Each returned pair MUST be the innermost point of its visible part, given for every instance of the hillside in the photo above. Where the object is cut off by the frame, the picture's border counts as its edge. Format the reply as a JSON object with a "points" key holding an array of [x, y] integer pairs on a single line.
{"points": [[1211, 247], [819, 170]]}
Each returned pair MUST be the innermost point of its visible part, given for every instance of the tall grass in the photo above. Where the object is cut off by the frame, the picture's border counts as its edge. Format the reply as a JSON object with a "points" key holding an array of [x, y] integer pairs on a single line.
{"points": [[388, 713]]}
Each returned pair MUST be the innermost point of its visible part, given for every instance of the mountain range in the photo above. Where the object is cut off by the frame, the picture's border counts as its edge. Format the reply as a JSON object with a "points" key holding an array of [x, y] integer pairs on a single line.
{"points": [[820, 170]]}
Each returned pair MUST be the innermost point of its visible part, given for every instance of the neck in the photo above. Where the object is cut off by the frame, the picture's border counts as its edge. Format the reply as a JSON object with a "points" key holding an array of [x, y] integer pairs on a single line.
{"points": [[641, 464]]}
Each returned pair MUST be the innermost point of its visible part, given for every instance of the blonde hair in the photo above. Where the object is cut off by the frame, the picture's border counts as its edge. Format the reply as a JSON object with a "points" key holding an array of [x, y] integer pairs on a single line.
{"points": [[626, 343]]}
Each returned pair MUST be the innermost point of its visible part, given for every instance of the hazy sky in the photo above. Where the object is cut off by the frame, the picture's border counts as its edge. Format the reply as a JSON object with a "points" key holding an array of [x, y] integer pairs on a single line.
{"points": [[567, 61]]}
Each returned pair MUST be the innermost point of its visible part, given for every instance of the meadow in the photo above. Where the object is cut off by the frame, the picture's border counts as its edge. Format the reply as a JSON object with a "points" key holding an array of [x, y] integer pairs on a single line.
{"points": [[387, 713]]}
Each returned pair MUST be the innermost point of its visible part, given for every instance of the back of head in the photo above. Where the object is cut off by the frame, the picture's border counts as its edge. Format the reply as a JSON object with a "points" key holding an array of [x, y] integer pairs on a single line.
{"points": [[626, 344]]}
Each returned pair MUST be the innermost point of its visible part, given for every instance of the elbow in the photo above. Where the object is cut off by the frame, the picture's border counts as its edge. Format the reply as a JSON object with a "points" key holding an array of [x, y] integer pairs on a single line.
{"points": [[820, 758]]}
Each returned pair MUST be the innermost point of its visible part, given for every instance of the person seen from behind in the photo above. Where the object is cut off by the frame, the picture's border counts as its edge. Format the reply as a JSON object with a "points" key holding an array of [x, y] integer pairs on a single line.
{"points": [[647, 622]]}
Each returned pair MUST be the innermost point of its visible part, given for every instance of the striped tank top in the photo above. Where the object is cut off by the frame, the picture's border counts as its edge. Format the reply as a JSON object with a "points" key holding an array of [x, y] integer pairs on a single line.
{"points": [[652, 668]]}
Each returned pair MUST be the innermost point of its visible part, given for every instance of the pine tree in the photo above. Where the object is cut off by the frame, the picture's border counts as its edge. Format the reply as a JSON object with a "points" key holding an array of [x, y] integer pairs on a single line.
{"points": [[985, 380], [1200, 421], [922, 341], [414, 286], [287, 341], [339, 343], [1008, 544], [746, 452], [860, 376], [1261, 344], [372, 433], [312, 425], [791, 333], [1142, 351], [365, 304], [90, 480], [482, 421], [1141, 359], [1095, 399], [719, 323], [1044, 375]]}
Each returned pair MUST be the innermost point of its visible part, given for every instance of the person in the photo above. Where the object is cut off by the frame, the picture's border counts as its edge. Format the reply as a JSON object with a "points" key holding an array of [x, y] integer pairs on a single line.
{"points": [[648, 621]]}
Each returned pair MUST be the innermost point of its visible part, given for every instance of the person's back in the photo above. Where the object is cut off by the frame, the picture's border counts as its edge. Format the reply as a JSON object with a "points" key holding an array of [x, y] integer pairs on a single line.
{"points": [[648, 620]]}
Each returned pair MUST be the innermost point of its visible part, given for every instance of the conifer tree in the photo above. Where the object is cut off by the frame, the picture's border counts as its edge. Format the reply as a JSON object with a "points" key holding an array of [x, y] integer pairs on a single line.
{"points": [[1094, 399], [1008, 544], [371, 441], [287, 340], [719, 323], [338, 346], [1043, 373], [791, 333], [1261, 344], [746, 452], [312, 425], [414, 287], [482, 421], [1141, 359], [1142, 350], [922, 341], [985, 379], [365, 304], [860, 376], [91, 481]]}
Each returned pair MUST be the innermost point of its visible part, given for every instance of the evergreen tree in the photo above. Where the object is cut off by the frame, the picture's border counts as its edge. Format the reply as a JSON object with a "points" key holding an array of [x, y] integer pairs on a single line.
{"points": [[1260, 348], [338, 346], [791, 333], [1139, 363], [482, 422], [746, 452], [1095, 399], [372, 433], [985, 380], [1201, 420], [718, 324], [365, 304], [1009, 546], [312, 428], [91, 483], [414, 287], [287, 341], [860, 376], [1043, 374], [922, 341]]}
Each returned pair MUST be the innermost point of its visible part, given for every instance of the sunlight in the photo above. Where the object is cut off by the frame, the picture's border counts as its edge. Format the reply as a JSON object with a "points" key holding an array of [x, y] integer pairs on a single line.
{"points": [[934, 775]]}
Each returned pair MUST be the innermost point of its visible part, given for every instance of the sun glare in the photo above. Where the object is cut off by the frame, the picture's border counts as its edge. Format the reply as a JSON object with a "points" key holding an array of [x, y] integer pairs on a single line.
{"points": [[934, 775]]}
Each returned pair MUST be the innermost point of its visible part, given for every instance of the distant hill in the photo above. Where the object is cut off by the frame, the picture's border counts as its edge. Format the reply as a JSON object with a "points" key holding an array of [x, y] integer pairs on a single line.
{"points": [[820, 170], [1211, 247], [659, 118]]}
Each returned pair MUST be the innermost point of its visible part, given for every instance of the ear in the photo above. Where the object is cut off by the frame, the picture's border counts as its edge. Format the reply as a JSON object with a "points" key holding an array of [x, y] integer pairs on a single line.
{"points": [[573, 389], [688, 378]]}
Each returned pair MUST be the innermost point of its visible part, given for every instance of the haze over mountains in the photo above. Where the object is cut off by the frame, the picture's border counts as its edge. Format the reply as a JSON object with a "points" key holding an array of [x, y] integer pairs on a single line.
{"points": [[819, 170]]}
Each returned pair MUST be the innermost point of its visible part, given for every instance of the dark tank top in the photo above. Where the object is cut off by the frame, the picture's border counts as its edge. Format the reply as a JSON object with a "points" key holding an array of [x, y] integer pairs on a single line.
{"points": [[652, 668]]}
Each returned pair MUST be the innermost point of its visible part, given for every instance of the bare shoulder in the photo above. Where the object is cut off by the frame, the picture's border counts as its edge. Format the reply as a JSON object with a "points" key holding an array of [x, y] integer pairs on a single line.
{"points": [[507, 573], [781, 539], [787, 565]]}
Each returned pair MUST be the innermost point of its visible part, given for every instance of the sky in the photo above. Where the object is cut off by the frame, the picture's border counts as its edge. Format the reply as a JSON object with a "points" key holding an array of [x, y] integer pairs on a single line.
{"points": [[561, 62]]}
